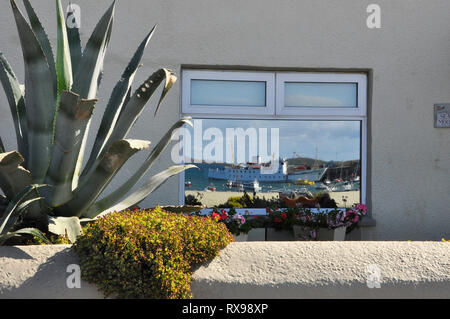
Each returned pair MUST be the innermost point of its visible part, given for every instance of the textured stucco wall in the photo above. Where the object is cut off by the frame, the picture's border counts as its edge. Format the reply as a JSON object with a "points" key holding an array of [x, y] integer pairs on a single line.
{"points": [[409, 57], [260, 270]]}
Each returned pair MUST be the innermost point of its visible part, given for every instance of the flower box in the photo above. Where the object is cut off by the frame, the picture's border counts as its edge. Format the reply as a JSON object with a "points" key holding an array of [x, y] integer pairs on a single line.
{"points": [[274, 234], [322, 233], [257, 234], [241, 237], [301, 232], [336, 234]]}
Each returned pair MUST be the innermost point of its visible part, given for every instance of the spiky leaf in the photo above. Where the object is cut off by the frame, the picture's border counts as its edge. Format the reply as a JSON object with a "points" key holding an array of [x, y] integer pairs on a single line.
{"points": [[73, 36], [146, 189], [89, 72], [34, 232], [63, 60], [65, 225], [39, 98], [42, 37], [13, 177], [15, 95], [118, 98], [71, 122], [14, 208], [119, 193], [108, 167], [136, 105]]}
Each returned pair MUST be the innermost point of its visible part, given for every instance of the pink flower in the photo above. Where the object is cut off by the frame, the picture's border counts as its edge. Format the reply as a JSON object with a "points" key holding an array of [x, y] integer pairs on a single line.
{"points": [[349, 212], [362, 208]]}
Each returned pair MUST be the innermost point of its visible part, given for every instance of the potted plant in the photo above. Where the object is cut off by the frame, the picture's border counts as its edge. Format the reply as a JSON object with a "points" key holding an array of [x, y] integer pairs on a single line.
{"points": [[330, 225], [279, 223], [236, 223]]}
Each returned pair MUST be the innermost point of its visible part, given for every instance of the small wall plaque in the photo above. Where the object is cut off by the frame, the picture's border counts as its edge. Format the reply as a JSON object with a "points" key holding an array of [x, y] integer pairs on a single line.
{"points": [[442, 115]]}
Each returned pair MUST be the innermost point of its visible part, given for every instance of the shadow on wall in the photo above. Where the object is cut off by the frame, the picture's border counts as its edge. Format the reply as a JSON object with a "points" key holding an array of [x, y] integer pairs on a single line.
{"points": [[44, 280]]}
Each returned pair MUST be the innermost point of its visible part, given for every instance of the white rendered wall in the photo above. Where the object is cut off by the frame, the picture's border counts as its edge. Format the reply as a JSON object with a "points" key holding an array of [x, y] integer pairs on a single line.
{"points": [[409, 57]]}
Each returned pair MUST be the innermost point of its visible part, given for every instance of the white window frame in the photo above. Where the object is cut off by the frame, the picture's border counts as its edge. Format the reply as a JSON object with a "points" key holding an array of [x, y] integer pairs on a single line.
{"points": [[278, 111], [268, 77]]}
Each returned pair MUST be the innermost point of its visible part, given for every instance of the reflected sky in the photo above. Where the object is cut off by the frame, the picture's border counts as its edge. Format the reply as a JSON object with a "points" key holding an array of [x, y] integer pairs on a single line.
{"points": [[228, 93], [333, 140], [321, 94]]}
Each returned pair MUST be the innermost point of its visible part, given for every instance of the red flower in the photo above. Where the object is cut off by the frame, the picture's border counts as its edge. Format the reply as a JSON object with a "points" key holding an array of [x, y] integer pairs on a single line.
{"points": [[277, 220], [224, 216], [283, 215], [215, 216]]}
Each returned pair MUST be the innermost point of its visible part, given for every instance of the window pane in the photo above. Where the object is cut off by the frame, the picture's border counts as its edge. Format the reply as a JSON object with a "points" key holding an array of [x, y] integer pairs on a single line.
{"points": [[312, 158], [228, 93], [303, 94]]}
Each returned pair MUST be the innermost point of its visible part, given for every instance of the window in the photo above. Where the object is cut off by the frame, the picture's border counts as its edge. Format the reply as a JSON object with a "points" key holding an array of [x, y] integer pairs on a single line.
{"points": [[225, 92], [272, 133], [320, 94]]}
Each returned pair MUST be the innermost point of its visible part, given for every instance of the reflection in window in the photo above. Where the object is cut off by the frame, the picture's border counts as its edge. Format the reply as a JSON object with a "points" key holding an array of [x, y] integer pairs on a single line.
{"points": [[299, 94], [315, 159], [228, 93]]}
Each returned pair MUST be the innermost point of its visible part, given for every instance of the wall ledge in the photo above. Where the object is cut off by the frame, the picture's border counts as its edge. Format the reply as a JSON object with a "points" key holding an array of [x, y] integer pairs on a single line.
{"points": [[260, 270]]}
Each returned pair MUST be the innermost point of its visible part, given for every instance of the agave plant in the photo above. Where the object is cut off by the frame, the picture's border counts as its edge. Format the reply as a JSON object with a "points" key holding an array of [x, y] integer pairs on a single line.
{"points": [[52, 114]]}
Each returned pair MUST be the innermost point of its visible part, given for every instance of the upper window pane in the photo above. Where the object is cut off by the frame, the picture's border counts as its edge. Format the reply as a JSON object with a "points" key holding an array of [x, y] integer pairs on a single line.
{"points": [[228, 93], [320, 94]]}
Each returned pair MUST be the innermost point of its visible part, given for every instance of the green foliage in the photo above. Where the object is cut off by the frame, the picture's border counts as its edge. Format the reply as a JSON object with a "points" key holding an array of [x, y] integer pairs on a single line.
{"points": [[192, 200], [148, 253], [247, 201], [52, 112]]}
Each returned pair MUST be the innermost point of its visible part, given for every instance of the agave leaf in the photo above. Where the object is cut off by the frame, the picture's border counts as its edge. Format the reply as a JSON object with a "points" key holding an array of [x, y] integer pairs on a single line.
{"points": [[136, 104], [73, 116], [14, 93], [170, 80], [118, 98], [147, 188], [111, 162], [129, 114], [63, 60], [86, 79], [119, 193], [12, 211], [39, 98], [34, 232], [13, 177], [65, 225], [89, 72], [73, 36], [5, 237], [24, 231], [125, 102], [26, 203], [42, 37]]}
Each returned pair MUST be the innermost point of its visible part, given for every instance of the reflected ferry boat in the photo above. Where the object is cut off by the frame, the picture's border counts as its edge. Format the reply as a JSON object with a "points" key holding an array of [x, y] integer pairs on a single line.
{"points": [[264, 172]]}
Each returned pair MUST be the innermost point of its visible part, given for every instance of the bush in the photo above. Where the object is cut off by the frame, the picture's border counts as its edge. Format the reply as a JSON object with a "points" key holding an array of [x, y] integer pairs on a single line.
{"points": [[247, 201], [148, 253]]}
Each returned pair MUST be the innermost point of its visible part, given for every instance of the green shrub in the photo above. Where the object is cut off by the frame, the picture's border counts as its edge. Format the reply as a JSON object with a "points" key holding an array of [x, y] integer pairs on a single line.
{"points": [[247, 201], [148, 253]]}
